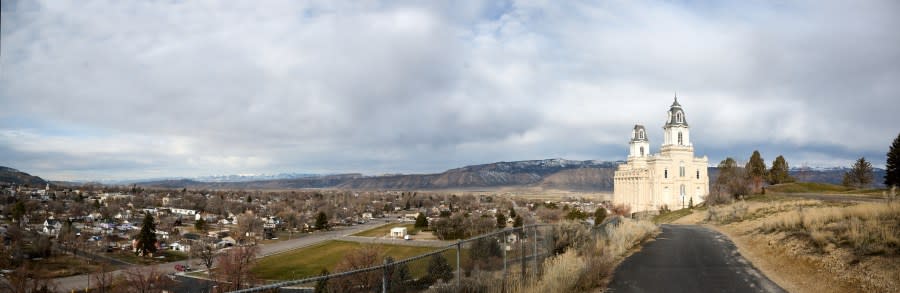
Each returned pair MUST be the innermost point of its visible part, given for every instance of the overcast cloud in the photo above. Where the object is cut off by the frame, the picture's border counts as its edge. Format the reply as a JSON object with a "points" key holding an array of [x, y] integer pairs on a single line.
{"points": [[129, 89]]}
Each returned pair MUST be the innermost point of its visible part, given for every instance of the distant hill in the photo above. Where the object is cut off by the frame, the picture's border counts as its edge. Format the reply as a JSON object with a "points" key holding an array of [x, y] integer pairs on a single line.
{"points": [[13, 176], [550, 173]]}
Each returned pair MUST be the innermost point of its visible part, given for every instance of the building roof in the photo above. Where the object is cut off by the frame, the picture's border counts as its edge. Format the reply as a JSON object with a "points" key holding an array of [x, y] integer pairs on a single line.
{"points": [[676, 116], [639, 133]]}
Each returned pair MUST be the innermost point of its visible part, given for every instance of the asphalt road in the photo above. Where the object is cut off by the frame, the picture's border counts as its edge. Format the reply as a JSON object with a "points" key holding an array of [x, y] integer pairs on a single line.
{"points": [[689, 258]]}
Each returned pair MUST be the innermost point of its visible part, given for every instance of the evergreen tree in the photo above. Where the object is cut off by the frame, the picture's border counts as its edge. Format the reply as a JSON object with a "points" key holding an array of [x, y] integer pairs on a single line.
{"points": [[322, 285], [398, 275], [439, 268], [322, 221], [860, 175], [892, 176], [756, 169], [518, 221], [200, 225], [779, 172], [501, 220], [421, 221], [599, 215], [512, 213], [147, 236]]}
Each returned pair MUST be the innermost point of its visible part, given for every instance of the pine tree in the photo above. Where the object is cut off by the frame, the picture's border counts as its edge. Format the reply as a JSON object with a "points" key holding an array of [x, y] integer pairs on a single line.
{"points": [[512, 212], [860, 175], [501, 220], [779, 172], [439, 268], [147, 236], [599, 216], [200, 225], [322, 285], [892, 176], [322, 221], [421, 221], [518, 221], [756, 169]]}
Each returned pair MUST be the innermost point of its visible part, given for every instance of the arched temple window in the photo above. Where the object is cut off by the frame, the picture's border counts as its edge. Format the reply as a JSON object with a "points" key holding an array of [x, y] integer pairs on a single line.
{"points": [[681, 171], [666, 173], [642, 151], [680, 139], [678, 117], [698, 174]]}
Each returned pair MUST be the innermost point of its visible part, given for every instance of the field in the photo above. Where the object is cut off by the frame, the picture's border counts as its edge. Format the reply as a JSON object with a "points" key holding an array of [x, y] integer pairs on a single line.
{"points": [[62, 266], [311, 260], [825, 188], [671, 216], [385, 229], [167, 256]]}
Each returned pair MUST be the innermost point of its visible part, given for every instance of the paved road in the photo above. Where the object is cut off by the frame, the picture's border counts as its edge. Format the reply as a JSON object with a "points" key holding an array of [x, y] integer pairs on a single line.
{"points": [[689, 258], [80, 282]]}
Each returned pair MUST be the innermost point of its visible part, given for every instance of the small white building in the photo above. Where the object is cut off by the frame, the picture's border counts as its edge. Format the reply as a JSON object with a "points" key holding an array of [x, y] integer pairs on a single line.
{"points": [[186, 212], [398, 232]]}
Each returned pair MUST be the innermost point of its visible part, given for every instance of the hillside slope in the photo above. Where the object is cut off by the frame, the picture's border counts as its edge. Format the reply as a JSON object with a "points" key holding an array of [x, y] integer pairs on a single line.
{"points": [[13, 176]]}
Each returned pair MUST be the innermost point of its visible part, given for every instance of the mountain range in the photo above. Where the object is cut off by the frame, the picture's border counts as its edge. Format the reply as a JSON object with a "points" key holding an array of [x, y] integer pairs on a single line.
{"points": [[559, 174]]}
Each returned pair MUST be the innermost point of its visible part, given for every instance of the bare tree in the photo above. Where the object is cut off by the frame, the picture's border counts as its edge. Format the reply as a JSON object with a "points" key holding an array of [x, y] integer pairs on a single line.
{"points": [[364, 257], [145, 279], [235, 265], [207, 253], [104, 278]]}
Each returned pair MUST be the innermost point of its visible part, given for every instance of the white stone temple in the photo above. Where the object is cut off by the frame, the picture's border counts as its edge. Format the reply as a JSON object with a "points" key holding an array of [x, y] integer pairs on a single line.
{"points": [[672, 178]]}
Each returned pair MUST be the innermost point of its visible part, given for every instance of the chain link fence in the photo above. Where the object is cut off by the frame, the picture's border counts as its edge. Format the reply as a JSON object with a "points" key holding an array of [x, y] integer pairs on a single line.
{"points": [[488, 262]]}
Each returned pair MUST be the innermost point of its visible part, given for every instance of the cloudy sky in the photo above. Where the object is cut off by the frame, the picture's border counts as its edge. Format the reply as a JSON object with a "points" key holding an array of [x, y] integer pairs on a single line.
{"points": [[133, 89]]}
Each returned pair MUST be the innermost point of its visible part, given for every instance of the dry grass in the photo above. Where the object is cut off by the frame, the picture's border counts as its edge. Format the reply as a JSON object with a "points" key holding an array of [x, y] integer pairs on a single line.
{"points": [[870, 228], [741, 210], [587, 268]]}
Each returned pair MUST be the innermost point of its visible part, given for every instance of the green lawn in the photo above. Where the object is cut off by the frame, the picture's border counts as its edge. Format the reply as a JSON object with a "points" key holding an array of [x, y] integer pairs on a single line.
{"points": [[385, 229], [310, 261], [671, 216], [814, 187], [807, 187]]}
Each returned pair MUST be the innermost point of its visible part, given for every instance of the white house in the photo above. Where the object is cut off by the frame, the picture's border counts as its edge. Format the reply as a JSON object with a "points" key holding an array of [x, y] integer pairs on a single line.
{"points": [[52, 226], [672, 178], [398, 232], [180, 247]]}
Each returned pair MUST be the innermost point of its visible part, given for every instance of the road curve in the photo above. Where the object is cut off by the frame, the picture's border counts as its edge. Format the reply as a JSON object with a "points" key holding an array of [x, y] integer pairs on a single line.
{"points": [[689, 258]]}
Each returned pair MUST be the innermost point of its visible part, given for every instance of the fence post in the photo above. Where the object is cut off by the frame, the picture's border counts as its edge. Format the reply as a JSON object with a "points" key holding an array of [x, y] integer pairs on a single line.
{"points": [[504, 255], [524, 254], [534, 273], [458, 265], [384, 277]]}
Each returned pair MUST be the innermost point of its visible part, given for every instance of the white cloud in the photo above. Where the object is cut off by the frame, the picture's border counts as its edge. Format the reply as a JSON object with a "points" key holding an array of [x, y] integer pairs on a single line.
{"points": [[233, 87]]}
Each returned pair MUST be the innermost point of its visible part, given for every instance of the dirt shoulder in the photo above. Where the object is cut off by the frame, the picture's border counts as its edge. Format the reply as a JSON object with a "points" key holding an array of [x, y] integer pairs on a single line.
{"points": [[795, 264]]}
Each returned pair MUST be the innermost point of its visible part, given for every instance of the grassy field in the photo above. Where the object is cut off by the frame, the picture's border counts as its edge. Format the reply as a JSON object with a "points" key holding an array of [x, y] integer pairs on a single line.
{"points": [[62, 266], [129, 257], [813, 187], [311, 260], [671, 216], [385, 229]]}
